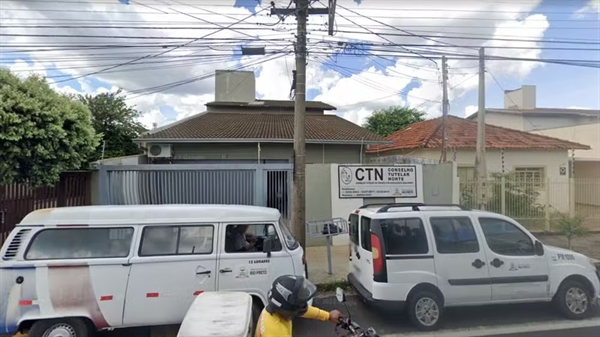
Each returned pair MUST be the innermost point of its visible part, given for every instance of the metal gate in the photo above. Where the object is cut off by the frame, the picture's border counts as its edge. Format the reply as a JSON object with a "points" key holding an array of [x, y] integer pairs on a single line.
{"points": [[243, 184]]}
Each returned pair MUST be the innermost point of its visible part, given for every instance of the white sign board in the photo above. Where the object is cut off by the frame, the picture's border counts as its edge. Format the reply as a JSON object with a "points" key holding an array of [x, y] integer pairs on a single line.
{"points": [[398, 181]]}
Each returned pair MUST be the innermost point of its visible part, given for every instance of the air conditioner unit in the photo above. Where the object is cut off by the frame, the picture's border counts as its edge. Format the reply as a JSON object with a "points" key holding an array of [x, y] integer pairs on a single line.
{"points": [[159, 151]]}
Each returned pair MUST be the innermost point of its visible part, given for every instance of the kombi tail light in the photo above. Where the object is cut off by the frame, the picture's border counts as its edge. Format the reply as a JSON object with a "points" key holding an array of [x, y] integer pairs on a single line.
{"points": [[377, 254]]}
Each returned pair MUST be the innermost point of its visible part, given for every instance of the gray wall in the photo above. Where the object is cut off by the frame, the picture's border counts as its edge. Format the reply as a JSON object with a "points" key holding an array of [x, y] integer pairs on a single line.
{"points": [[318, 197], [438, 182], [532, 123], [315, 153]]}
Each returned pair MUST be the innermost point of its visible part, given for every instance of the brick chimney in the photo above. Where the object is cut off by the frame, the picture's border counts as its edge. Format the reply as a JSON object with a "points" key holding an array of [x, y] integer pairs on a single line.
{"points": [[235, 86]]}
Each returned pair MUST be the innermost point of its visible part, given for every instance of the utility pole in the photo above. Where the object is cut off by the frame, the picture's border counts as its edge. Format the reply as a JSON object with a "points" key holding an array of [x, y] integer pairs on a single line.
{"points": [[444, 109], [480, 165], [299, 195]]}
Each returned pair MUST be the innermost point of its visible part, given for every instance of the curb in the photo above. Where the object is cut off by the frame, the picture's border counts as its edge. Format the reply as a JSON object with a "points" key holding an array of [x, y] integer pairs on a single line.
{"points": [[506, 329]]}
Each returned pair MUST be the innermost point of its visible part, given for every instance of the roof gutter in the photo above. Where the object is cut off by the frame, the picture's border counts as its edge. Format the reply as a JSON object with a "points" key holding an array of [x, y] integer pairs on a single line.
{"points": [[257, 140]]}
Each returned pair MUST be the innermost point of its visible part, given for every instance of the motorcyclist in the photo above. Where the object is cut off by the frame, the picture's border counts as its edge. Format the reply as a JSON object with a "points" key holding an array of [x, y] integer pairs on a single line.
{"points": [[288, 298]]}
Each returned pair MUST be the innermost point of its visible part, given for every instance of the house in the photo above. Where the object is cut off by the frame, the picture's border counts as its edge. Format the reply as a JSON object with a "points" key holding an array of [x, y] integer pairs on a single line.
{"points": [[237, 128], [576, 125], [534, 159]]}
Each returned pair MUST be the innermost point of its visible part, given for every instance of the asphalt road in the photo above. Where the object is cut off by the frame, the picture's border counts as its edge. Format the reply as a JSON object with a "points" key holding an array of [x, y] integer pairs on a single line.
{"points": [[397, 323], [455, 318]]}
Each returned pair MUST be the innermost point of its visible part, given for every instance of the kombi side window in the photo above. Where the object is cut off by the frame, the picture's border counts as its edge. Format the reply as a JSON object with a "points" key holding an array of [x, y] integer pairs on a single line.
{"points": [[244, 238], [177, 240], [353, 221], [404, 236], [80, 243], [365, 233], [454, 235]]}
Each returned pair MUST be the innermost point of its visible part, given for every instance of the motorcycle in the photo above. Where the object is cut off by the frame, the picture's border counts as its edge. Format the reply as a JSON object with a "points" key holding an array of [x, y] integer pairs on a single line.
{"points": [[346, 326]]}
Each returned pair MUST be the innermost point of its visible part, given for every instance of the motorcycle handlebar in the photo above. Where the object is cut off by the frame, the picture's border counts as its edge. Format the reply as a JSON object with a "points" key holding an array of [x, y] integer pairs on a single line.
{"points": [[356, 329]]}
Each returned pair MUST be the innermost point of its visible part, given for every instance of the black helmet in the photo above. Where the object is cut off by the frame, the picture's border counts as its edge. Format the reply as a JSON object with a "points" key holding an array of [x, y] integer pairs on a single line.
{"points": [[290, 294]]}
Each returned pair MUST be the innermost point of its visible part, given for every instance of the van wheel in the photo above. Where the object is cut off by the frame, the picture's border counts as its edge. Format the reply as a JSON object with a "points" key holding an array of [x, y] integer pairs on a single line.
{"points": [[65, 327], [574, 300], [425, 310], [256, 311]]}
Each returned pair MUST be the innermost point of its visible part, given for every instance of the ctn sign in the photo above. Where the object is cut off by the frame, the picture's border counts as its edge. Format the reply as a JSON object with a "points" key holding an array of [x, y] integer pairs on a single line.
{"points": [[399, 181]]}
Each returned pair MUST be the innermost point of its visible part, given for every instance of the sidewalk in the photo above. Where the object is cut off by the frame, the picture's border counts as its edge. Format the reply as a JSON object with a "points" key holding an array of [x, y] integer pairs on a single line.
{"points": [[316, 258]]}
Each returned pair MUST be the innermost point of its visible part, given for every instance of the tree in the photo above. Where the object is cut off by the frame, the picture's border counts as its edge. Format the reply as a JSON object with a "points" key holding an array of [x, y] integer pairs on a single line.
{"points": [[384, 122], [116, 122], [571, 227], [42, 133]]}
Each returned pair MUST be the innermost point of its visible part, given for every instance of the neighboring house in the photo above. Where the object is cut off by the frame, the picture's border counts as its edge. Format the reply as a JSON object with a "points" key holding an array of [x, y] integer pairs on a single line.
{"points": [[576, 125], [237, 128], [534, 159]]}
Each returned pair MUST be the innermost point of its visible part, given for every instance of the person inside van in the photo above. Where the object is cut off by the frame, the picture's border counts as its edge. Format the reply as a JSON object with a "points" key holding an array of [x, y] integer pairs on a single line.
{"points": [[288, 299], [241, 240]]}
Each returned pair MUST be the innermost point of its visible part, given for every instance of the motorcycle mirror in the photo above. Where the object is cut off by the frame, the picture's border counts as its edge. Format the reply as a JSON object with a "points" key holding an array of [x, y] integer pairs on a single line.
{"points": [[339, 293]]}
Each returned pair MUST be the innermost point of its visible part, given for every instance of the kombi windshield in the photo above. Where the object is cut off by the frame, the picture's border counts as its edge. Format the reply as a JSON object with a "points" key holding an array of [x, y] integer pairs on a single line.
{"points": [[288, 237]]}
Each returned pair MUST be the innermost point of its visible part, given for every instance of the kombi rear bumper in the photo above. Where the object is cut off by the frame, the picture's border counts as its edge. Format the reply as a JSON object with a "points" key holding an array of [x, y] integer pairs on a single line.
{"points": [[366, 296]]}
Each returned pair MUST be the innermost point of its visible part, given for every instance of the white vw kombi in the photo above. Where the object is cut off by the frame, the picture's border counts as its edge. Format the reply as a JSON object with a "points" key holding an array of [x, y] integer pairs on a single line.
{"points": [[73, 270]]}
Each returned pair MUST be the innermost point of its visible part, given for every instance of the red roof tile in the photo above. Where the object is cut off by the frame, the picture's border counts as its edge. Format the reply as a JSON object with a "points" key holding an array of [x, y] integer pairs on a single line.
{"points": [[462, 133]]}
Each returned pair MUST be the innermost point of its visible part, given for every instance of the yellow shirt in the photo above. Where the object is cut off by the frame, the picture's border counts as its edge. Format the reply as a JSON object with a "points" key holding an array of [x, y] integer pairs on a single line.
{"points": [[273, 325]]}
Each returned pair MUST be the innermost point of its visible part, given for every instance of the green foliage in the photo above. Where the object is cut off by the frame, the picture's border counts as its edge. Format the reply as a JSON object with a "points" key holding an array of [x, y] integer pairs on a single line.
{"points": [[42, 133], [384, 122], [116, 122], [521, 200], [332, 286], [571, 226]]}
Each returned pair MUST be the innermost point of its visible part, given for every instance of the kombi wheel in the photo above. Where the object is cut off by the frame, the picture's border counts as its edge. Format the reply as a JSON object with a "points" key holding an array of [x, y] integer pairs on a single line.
{"points": [[574, 300], [65, 327], [425, 310]]}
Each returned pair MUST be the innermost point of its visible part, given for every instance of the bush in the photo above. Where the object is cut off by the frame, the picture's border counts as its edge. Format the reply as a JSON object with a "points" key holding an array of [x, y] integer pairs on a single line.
{"points": [[571, 227]]}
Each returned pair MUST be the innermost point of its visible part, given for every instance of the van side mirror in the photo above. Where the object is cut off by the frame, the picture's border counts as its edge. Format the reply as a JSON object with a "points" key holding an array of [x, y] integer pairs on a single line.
{"points": [[340, 295], [539, 248], [268, 246]]}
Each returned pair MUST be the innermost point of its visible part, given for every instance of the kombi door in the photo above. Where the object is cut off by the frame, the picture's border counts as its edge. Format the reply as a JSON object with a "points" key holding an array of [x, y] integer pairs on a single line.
{"points": [[242, 264], [71, 271], [172, 265], [360, 250]]}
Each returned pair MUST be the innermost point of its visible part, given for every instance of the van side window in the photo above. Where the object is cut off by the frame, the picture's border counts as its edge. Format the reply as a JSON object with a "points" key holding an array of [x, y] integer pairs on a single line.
{"points": [[80, 243], [505, 238], [250, 238], [176, 240], [404, 236], [365, 233], [353, 220], [454, 235]]}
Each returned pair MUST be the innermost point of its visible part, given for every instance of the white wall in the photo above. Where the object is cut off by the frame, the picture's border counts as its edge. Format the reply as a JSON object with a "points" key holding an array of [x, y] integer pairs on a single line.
{"points": [[343, 207], [510, 121], [558, 187], [588, 134]]}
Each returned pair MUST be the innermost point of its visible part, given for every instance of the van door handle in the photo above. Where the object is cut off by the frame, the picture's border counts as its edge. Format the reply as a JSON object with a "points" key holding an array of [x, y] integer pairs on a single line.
{"points": [[226, 270], [203, 272], [497, 263], [478, 264]]}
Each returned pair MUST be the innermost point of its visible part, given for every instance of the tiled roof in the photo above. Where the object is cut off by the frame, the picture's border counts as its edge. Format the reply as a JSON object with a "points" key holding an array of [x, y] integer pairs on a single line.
{"points": [[545, 112], [271, 103], [462, 133], [227, 126]]}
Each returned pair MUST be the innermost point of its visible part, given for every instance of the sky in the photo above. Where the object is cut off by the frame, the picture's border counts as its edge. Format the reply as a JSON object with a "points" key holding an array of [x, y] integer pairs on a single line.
{"points": [[163, 53]]}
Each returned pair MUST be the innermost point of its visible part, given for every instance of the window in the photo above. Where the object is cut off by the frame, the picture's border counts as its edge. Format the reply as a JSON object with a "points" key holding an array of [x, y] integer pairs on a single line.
{"points": [[80, 243], [454, 235], [353, 228], [466, 174], [505, 238], [404, 236], [532, 177], [177, 240], [288, 237], [365, 233], [245, 238]]}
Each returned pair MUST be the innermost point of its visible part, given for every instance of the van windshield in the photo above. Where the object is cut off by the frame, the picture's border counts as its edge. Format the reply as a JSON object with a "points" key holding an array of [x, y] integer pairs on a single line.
{"points": [[288, 237]]}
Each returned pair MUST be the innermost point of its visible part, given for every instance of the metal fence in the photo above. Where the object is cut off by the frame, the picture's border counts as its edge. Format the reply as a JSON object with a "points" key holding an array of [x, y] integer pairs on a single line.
{"points": [[243, 184], [537, 204], [17, 200]]}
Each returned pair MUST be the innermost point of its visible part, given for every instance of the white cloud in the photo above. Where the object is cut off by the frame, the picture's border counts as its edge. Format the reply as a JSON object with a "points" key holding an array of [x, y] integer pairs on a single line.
{"points": [[591, 7], [355, 96], [470, 109], [579, 108]]}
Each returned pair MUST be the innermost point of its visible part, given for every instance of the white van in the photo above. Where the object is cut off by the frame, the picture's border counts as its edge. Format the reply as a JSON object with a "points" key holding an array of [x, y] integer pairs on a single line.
{"points": [[78, 269], [426, 258]]}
